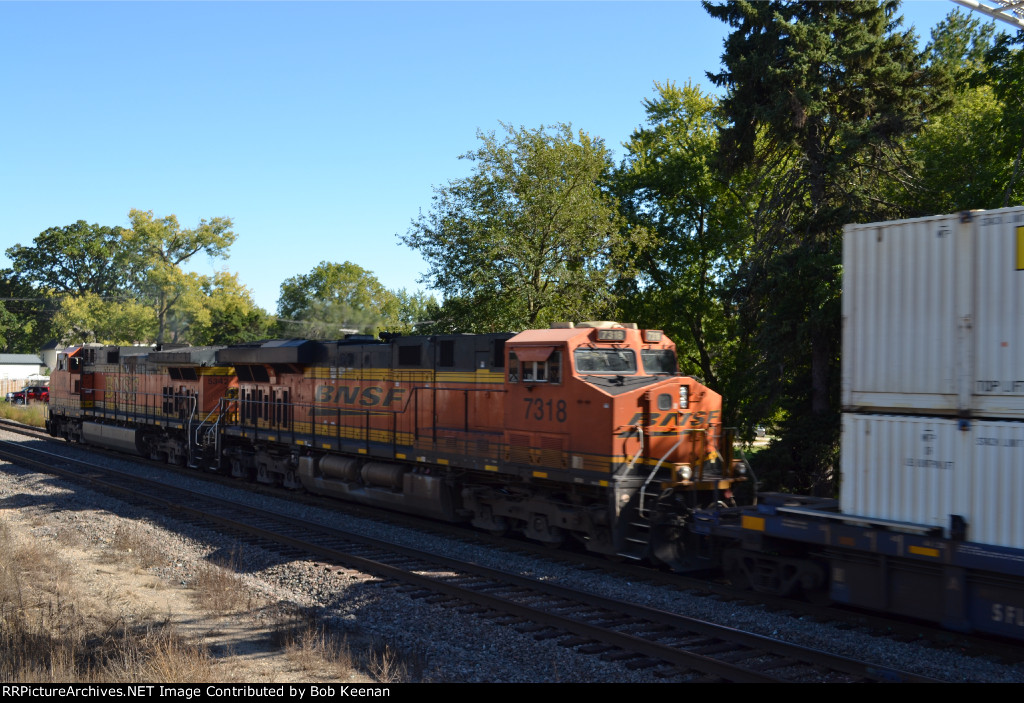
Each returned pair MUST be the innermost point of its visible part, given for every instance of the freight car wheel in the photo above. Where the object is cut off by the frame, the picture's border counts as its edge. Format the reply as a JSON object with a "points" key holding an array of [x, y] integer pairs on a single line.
{"points": [[668, 546], [732, 567]]}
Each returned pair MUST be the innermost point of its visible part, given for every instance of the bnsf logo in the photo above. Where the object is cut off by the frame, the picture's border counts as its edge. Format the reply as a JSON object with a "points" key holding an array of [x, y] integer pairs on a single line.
{"points": [[697, 419], [122, 384], [357, 395]]}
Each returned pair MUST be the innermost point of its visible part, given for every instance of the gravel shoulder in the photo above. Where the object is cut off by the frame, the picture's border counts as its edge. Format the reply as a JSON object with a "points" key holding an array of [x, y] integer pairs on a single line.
{"points": [[127, 573]]}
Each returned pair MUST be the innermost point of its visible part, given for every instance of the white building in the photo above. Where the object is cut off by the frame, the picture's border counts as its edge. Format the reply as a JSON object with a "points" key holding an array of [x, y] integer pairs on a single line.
{"points": [[20, 366]]}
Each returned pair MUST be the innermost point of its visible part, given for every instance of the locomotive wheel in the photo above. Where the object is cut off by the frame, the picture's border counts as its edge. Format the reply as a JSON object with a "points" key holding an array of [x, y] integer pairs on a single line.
{"points": [[538, 529], [291, 480]]}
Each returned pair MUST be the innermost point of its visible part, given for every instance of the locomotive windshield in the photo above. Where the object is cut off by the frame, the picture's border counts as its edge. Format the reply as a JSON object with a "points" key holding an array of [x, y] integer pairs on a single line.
{"points": [[611, 361], [658, 361]]}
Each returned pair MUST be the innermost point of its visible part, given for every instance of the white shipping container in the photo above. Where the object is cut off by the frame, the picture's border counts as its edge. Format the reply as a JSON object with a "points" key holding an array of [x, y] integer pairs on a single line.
{"points": [[933, 315], [923, 470]]}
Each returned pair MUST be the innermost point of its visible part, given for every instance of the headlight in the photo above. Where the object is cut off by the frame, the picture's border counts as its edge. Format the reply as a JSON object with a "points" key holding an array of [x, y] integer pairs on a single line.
{"points": [[684, 472]]}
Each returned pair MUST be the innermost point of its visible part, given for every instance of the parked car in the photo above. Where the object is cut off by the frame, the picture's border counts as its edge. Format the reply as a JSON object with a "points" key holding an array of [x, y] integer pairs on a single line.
{"points": [[29, 393]]}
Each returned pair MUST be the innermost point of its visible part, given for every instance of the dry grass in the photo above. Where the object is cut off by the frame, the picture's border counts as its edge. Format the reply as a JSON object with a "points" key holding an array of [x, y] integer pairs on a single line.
{"points": [[129, 541], [387, 667], [46, 637], [158, 654], [315, 651], [53, 630], [218, 589], [34, 414]]}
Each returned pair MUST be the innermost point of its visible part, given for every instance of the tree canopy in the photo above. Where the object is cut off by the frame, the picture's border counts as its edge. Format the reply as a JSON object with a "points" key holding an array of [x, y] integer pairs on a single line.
{"points": [[162, 247], [533, 235], [335, 299], [76, 259], [669, 185]]}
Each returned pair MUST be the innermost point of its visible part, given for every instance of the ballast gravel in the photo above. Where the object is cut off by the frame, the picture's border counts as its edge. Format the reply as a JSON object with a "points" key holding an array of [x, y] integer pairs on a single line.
{"points": [[435, 642]]}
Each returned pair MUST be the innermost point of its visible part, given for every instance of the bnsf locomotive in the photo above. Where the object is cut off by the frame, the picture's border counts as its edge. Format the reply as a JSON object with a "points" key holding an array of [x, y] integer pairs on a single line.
{"points": [[580, 431]]}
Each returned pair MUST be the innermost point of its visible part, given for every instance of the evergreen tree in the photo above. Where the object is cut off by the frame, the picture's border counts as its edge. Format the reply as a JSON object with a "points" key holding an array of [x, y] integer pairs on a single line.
{"points": [[818, 98]]}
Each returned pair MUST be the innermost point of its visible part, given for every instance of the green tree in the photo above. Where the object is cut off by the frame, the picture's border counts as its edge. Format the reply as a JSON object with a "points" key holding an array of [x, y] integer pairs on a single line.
{"points": [[1005, 72], [532, 236], [76, 259], [417, 312], [232, 316], [28, 313], [962, 152], [333, 299], [89, 318], [668, 184], [9, 328], [162, 247], [821, 96], [64, 261]]}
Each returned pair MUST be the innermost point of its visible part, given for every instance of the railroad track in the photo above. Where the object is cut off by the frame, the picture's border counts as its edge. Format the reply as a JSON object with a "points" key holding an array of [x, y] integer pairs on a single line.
{"points": [[677, 647]]}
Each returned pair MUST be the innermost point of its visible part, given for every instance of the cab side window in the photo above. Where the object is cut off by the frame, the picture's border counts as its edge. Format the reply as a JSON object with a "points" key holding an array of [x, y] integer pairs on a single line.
{"points": [[547, 370]]}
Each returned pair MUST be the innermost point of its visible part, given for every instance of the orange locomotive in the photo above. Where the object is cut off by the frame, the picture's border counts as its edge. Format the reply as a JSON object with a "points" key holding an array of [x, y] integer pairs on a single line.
{"points": [[586, 432], [137, 400]]}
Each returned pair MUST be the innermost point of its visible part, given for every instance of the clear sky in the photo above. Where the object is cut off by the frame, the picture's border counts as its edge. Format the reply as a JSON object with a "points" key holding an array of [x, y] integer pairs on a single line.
{"points": [[319, 127]]}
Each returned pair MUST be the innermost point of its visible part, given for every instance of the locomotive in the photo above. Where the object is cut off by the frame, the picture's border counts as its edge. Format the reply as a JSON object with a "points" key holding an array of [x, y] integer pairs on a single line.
{"points": [[584, 432]]}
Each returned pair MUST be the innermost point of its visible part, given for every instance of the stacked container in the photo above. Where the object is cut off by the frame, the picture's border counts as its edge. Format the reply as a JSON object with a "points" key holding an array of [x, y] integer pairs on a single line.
{"points": [[933, 372]]}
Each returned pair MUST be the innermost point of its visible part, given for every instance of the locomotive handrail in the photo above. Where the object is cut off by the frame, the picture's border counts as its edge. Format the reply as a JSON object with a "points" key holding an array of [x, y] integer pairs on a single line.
{"points": [[749, 470], [632, 462], [650, 477], [213, 425], [194, 403]]}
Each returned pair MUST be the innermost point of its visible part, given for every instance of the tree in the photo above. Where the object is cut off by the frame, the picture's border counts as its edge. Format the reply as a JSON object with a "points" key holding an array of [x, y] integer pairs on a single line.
{"points": [[89, 318], [1005, 72], [669, 185], [162, 247], [232, 316], [964, 152], [28, 313], [417, 312], [76, 259], [822, 96], [9, 326], [335, 298], [532, 236]]}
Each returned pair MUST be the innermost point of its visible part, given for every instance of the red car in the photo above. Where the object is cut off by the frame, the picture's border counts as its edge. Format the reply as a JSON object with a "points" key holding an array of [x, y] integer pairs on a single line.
{"points": [[29, 393]]}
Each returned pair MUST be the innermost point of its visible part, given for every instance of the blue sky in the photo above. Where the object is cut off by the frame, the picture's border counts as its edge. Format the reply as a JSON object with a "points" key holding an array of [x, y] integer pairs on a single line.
{"points": [[319, 127]]}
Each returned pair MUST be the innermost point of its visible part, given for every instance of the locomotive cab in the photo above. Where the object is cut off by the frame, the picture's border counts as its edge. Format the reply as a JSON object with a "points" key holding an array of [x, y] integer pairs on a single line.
{"points": [[597, 415], [66, 396]]}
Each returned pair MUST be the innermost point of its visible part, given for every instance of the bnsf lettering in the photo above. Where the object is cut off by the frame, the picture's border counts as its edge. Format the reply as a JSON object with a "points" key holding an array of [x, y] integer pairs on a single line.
{"points": [[355, 395], [121, 383], [693, 419]]}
